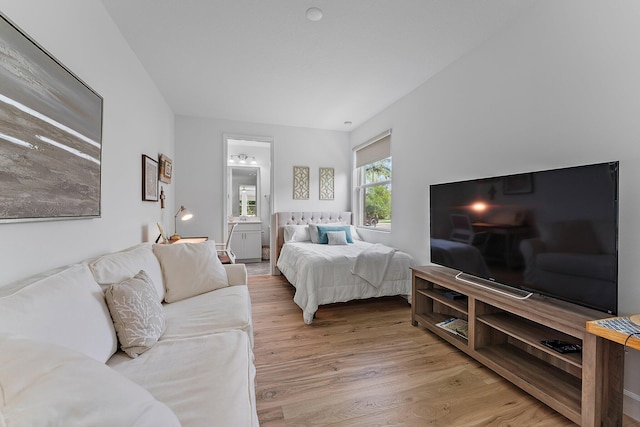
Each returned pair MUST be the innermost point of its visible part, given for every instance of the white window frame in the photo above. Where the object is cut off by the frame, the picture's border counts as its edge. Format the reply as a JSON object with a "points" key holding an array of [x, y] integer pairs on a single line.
{"points": [[360, 186]]}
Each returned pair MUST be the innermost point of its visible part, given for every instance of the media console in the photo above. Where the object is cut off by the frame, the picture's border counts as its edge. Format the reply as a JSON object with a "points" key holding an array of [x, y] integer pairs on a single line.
{"points": [[506, 334]]}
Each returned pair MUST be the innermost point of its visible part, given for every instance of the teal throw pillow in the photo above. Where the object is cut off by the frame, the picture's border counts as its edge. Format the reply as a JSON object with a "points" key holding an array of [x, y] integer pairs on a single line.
{"points": [[323, 229]]}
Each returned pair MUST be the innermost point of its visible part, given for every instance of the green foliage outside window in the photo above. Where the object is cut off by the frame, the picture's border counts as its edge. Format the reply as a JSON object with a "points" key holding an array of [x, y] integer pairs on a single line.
{"points": [[377, 201]]}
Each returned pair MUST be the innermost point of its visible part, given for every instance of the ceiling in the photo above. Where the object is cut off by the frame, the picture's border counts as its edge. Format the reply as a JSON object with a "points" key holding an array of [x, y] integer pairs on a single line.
{"points": [[265, 62]]}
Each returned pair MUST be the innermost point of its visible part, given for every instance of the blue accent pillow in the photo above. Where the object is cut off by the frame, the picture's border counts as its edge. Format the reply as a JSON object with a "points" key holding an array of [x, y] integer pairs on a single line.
{"points": [[323, 229]]}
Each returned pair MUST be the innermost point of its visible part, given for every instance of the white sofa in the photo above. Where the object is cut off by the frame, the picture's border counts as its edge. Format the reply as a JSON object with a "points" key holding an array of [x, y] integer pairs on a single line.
{"points": [[61, 361]]}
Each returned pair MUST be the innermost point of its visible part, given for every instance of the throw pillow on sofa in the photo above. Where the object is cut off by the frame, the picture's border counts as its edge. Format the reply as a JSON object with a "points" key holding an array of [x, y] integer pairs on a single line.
{"points": [[45, 384], [137, 315], [119, 266], [190, 269]]}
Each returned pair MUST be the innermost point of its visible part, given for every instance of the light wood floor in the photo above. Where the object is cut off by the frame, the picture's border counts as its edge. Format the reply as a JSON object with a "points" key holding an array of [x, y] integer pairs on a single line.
{"points": [[362, 364]]}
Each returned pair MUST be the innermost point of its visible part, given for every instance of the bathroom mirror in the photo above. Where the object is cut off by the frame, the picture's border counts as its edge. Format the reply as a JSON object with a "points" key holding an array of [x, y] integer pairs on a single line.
{"points": [[245, 191]]}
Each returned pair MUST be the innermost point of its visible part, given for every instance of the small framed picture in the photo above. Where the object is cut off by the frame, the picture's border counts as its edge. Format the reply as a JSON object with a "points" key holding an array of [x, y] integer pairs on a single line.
{"points": [[162, 234], [149, 179], [518, 184], [166, 167]]}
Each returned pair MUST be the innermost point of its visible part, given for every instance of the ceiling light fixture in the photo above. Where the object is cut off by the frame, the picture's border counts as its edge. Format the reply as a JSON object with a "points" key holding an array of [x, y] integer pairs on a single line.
{"points": [[314, 14], [242, 159]]}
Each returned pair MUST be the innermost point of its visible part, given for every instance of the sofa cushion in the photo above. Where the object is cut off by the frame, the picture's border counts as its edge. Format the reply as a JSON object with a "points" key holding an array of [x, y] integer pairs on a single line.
{"points": [[206, 380], [65, 307], [221, 310], [119, 266], [43, 384], [190, 269], [137, 315]]}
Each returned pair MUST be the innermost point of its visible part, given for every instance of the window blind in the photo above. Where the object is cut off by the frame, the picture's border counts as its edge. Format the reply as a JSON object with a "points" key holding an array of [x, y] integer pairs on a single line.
{"points": [[374, 151]]}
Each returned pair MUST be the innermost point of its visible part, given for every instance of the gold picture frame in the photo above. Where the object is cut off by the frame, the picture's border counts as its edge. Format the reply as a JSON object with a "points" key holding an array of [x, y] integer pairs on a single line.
{"points": [[166, 169]]}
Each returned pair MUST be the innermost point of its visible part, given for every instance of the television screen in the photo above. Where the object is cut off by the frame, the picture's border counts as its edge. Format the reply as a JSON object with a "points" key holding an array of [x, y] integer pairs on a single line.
{"points": [[552, 232]]}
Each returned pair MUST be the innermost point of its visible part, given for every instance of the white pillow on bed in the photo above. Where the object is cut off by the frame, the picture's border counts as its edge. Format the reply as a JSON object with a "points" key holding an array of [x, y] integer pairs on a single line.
{"points": [[354, 233], [296, 233], [337, 237]]}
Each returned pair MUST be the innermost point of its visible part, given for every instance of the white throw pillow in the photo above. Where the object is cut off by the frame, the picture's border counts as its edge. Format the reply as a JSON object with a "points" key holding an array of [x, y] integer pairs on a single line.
{"points": [[44, 384], [354, 233], [118, 266], [137, 315], [337, 237], [296, 233], [66, 307], [190, 269]]}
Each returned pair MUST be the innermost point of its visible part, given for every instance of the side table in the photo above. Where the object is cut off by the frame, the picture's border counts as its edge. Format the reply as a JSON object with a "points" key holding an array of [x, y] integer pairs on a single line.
{"points": [[615, 339]]}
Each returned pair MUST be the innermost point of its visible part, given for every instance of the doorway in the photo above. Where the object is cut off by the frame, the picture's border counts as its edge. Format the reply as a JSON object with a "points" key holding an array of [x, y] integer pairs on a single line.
{"points": [[248, 186]]}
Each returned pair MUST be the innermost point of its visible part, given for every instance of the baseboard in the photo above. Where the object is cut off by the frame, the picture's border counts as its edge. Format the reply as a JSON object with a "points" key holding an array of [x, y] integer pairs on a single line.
{"points": [[631, 405]]}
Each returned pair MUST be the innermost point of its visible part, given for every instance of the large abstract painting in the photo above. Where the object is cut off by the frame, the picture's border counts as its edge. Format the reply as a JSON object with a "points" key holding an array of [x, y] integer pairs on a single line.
{"points": [[50, 135]]}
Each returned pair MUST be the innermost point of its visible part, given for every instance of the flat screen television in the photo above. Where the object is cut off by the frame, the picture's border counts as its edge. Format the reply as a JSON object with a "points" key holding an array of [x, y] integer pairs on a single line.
{"points": [[551, 232]]}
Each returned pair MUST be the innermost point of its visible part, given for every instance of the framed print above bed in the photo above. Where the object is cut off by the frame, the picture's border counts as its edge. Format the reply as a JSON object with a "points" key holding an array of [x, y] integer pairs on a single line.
{"points": [[326, 183], [301, 182], [50, 135]]}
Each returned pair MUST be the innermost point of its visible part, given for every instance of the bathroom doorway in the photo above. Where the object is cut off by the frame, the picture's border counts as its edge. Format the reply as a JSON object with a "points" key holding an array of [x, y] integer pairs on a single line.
{"points": [[248, 182]]}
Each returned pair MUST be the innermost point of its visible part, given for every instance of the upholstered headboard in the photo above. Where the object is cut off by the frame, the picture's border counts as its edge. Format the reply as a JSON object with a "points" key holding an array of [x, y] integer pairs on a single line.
{"points": [[280, 219]]}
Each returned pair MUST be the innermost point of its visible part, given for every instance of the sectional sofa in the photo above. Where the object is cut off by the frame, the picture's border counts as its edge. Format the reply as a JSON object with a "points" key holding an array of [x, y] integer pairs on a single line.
{"points": [[154, 335]]}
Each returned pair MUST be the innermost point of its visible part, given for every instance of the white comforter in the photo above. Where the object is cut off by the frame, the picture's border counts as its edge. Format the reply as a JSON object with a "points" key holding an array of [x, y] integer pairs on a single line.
{"points": [[322, 274]]}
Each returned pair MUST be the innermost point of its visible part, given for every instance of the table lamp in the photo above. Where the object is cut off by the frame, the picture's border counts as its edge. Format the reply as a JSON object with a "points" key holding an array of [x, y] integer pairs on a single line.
{"points": [[185, 215]]}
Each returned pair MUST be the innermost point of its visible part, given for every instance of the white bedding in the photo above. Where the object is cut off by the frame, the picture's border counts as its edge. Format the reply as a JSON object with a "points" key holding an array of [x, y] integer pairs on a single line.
{"points": [[322, 274]]}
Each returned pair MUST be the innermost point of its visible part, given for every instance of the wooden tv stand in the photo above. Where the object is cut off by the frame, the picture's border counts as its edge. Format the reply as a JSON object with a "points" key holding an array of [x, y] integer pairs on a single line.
{"points": [[505, 333]]}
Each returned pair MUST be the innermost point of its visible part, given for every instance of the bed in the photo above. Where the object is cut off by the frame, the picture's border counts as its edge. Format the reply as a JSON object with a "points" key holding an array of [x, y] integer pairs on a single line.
{"points": [[324, 273]]}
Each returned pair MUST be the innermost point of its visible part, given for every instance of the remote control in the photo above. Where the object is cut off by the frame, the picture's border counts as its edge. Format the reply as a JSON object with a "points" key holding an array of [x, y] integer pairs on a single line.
{"points": [[562, 346]]}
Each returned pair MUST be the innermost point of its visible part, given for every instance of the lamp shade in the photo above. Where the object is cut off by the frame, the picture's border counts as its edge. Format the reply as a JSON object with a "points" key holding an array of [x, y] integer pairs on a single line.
{"points": [[186, 215]]}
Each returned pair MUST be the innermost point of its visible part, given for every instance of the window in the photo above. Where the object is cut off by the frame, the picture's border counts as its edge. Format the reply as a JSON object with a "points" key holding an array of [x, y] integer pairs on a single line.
{"points": [[373, 182]]}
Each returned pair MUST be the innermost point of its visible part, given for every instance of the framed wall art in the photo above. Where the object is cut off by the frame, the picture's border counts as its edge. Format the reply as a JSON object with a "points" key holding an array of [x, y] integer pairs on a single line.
{"points": [[518, 184], [326, 183], [166, 168], [149, 179], [301, 182], [50, 135]]}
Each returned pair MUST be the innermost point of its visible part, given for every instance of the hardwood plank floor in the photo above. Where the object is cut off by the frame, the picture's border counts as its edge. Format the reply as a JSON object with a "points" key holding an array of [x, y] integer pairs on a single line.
{"points": [[362, 364]]}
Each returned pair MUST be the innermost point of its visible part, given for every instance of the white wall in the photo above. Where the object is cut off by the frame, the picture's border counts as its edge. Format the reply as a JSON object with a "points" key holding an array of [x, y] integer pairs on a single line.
{"points": [[137, 121], [559, 87], [200, 166]]}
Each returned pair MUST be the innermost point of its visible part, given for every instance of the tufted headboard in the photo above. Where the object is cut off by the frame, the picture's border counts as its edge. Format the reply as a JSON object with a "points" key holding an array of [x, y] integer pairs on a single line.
{"points": [[280, 219]]}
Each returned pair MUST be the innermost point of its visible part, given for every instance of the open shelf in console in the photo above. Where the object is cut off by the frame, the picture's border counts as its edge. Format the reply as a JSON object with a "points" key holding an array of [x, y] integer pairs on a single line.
{"points": [[432, 306], [532, 334], [553, 386]]}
